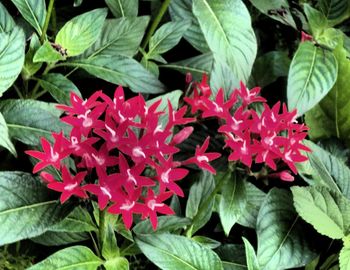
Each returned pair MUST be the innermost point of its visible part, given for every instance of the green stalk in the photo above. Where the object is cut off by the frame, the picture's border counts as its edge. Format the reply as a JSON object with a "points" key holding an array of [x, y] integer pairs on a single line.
{"points": [[47, 21], [155, 23], [101, 228]]}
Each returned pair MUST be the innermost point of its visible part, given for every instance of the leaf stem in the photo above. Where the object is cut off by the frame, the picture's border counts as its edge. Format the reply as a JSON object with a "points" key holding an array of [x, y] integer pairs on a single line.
{"points": [[101, 228], [37, 85], [47, 21], [155, 23], [95, 245], [18, 91]]}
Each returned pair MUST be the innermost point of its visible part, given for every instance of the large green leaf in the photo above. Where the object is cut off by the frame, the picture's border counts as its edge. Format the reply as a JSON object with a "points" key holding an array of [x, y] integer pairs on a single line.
{"points": [[11, 57], [59, 87], [233, 200], [326, 210], [71, 258], [227, 29], [110, 248], [312, 74], [173, 252], [195, 65], [335, 10], [316, 19], [25, 208], [123, 8], [117, 263], [119, 36], [200, 201], [272, 8], [325, 169], [166, 37], [165, 224], [121, 70], [28, 120], [4, 136], [34, 11], [232, 256], [29, 67], [46, 53], [331, 117], [344, 256], [6, 21], [268, 67], [81, 32], [282, 238], [182, 10], [53, 239]]}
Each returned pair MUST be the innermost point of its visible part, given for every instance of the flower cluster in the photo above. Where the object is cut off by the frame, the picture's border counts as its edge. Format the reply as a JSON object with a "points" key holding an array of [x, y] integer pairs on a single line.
{"points": [[269, 137], [113, 142]]}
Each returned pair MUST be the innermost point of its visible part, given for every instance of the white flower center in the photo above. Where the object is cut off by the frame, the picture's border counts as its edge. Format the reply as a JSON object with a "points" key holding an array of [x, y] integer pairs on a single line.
{"points": [[137, 152], [127, 205], [165, 176], [70, 187], [152, 204], [202, 158], [87, 120], [100, 161], [54, 155], [131, 178], [105, 191], [287, 156]]}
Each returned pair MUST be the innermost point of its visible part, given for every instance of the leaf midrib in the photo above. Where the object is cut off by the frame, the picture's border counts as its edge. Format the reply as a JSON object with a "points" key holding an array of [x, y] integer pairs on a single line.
{"points": [[21, 208], [34, 17]]}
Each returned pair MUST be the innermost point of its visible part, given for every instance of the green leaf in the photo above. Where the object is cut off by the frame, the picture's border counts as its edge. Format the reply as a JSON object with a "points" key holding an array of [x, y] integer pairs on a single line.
{"points": [[53, 239], [173, 252], [121, 70], [195, 65], [270, 8], [81, 32], [118, 263], [317, 20], [28, 120], [71, 258], [282, 238], [167, 37], [325, 169], [344, 255], [326, 210], [46, 53], [29, 67], [206, 241], [200, 201], [119, 36], [33, 11], [335, 10], [6, 21], [255, 198], [312, 74], [11, 57], [252, 260], [233, 200], [150, 66], [270, 66], [59, 87], [123, 8], [227, 29], [25, 202], [181, 10], [232, 256], [165, 224], [331, 116], [5, 138], [110, 248]]}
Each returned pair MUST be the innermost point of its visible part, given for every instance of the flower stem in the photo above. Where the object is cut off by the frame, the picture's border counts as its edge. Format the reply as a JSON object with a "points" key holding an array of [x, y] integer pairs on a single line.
{"points": [[155, 23], [47, 21], [101, 228]]}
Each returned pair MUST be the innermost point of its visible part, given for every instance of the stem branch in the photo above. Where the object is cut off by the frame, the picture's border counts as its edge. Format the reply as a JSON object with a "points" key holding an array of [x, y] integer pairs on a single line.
{"points": [[47, 21]]}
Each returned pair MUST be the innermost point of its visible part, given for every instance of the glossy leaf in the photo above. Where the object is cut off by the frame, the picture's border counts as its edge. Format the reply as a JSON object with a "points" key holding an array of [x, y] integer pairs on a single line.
{"points": [[54, 239], [271, 8], [119, 263], [181, 10], [29, 67], [123, 71], [46, 53], [110, 248], [6, 21], [4, 136], [312, 74], [326, 210], [252, 260], [71, 258], [331, 116], [165, 224], [123, 8], [233, 200], [200, 201], [173, 252], [206, 241], [81, 32], [59, 87], [227, 29], [11, 57], [232, 256], [25, 202], [33, 11], [336, 10], [344, 255], [119, 36], [282, 238], [28, 120], [166, 37], [316, 19]]}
